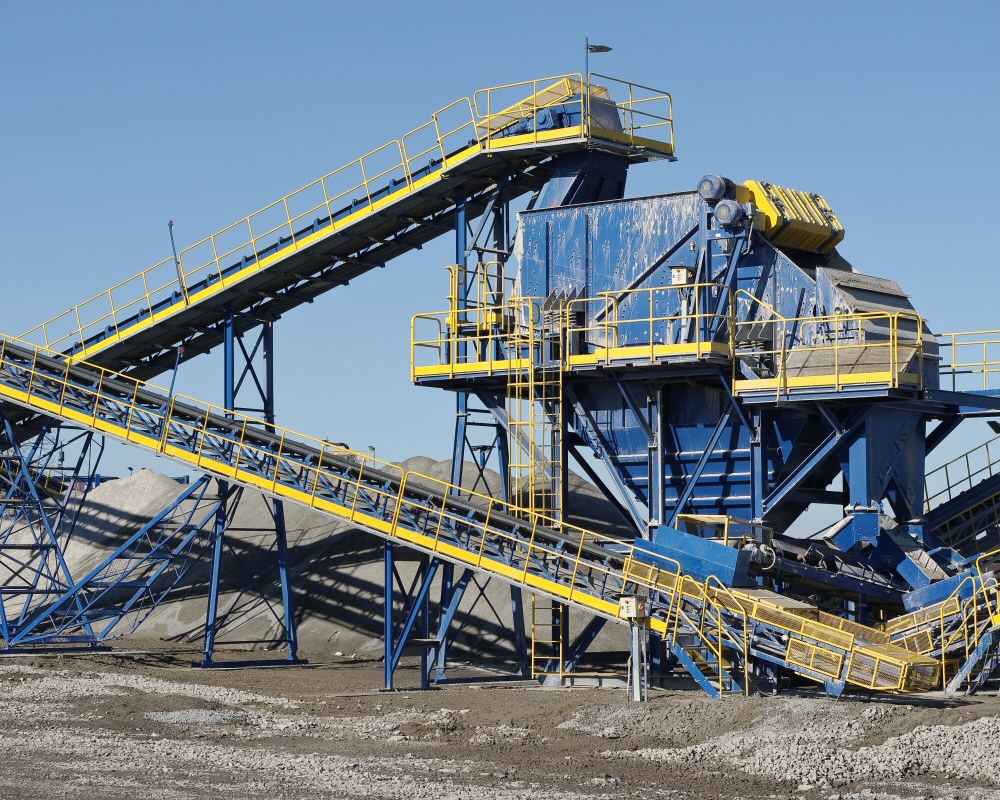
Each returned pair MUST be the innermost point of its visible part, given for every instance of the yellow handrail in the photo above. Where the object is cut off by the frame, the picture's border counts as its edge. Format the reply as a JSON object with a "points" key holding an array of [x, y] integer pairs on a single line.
{"points": [[984, 359], [457, 132], [798, 335], [645, 103], [721, 588], [966, 478], [470, 338], [496, 113], [604, 334]]}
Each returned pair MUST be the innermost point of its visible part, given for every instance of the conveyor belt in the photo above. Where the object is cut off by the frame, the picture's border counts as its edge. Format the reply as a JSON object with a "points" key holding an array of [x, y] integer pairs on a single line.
{"points": [[564, 562], [339, 227]]}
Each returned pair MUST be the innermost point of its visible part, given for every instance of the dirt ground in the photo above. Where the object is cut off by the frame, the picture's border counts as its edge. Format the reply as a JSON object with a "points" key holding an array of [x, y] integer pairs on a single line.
{"points": [[145, 724]]}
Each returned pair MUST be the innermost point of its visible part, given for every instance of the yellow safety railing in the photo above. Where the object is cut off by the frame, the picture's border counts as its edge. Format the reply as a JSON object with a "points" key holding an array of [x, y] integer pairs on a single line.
{"points": [[691, 609], [714, 590], [499, 108], [600, 330], [637, 323], [970, 359], [486, 285], [361, 188], [835, 351], [646, 114], [946, 482], [820, 645], [954, 624], [478, 339]]}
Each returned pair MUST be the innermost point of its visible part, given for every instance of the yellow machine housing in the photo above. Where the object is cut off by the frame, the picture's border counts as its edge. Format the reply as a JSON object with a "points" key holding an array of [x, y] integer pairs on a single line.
{"points": [[801, 220]]}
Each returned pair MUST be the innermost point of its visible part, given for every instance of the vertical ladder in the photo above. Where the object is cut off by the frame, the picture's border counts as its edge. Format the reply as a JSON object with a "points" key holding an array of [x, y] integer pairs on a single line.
{"points": [[549, 638], [535, 411]]}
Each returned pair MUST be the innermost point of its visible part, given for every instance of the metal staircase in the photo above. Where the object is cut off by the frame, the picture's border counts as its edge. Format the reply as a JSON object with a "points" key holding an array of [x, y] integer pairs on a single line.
{"points": [[962, 632], [979, 667], [709, 649]]}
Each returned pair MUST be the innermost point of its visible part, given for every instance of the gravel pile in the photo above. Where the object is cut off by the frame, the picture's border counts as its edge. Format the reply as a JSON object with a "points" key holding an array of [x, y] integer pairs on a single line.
{"points": [[337, 570], [819, 744]]}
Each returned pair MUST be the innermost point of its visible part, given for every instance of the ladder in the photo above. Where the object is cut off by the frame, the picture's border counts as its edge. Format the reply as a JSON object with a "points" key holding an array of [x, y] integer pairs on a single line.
{"points": [[549, 638], [535, 411]]}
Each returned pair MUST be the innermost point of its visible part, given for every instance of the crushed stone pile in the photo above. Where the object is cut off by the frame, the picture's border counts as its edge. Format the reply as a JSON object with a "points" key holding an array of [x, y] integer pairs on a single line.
{"points": [[337, 570]]}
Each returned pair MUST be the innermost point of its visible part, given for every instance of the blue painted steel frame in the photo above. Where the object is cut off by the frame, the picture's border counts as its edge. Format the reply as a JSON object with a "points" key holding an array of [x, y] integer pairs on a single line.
{"points": [[229, 499], [22, 498], [452, 591], [175, 550]]}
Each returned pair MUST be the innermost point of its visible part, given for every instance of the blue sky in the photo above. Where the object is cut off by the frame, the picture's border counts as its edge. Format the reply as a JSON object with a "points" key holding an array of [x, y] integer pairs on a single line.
{"points": [[119, 116]]}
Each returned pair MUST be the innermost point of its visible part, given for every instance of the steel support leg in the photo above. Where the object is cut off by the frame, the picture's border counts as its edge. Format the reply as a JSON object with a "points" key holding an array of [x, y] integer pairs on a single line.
{"points": [[636, 676], [277, 507], [417, 618], [657, 502], [236, 380], [423, 604], [758, 467], [281, 543], [212, 612], [222, 515], [387, 611]]}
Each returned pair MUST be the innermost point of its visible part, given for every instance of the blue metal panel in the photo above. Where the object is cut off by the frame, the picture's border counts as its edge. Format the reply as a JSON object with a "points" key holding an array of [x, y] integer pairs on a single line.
{"points": [[863, 527], [624, 244], [937, 592], [700, 558]]}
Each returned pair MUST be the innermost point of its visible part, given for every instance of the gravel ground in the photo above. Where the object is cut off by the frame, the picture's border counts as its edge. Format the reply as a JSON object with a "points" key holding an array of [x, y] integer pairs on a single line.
{"points": [[145, 724]]}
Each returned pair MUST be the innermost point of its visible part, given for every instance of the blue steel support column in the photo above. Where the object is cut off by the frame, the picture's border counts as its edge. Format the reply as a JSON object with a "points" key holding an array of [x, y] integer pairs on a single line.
{"points": [[516, 595], [218, 535], [277, 507], [859, 477], [657, 505], [427, 569], [461, 430], [657, 510], [388, 615]]}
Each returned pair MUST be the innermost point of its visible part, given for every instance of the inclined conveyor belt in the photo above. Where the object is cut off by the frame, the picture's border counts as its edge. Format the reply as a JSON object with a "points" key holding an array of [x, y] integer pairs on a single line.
{"points": [[566, 563]]}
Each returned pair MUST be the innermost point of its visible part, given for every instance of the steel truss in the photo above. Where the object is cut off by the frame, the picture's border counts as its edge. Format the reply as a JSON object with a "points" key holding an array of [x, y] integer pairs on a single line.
{"points": [[40, 505]]}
